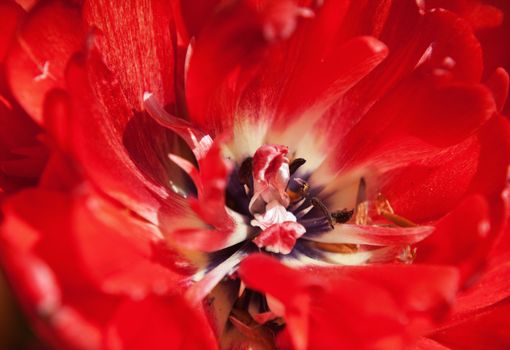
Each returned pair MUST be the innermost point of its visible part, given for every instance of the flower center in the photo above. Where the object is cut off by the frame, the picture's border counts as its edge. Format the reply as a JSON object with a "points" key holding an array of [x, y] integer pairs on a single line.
{"points": [[270, 200], [277, 210]]}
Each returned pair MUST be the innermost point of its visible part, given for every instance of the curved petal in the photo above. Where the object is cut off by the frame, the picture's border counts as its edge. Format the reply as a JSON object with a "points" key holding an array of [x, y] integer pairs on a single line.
{"points": [[107, 246], [479, 14], [317, 301], [198, 291], [124, 254], [428, 344], [36, 63], [142, 31], [498, 82], [453, 38], [484, 329], [22, 154], [233, 50], [210, 240], [461, 238], [492, 288], [234, 38], [66, 312], [111, 140], [433, 184], [198, 141], [438, 114], [159, 323], [10, 13], [300, 121], [372, 235]]}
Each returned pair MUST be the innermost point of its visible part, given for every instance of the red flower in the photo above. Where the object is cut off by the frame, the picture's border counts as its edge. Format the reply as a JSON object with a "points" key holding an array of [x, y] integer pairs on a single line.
{"points": [[299, 174]]}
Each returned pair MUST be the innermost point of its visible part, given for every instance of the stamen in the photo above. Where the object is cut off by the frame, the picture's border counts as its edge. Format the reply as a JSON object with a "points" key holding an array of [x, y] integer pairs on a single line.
{"points": [[337, 248], [362, 204], [318, 204], [297, 205], [384, 209], [245, 172], [399, 220], [206, 282], [383, 205], [297, 188], [296, 164], [407, 255], [362, 217], [342, 216], [303, 212]]}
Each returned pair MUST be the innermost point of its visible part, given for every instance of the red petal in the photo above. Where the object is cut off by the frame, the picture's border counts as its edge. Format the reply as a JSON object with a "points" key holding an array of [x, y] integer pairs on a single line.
{"points": [[308, 92], [423, 290], [280, 238], [233, 39], [499, 82], [22, 154], [494, 157], [34, 281], [427, 188], [196, 14], [214, 173], [198, 141], [106, 245], [479, 15], [373, 235], [353, 307], [26, 4], [447, 114], [123, 154], [36, 63], [439, 114], [492, 287], [228, 227], [430, 187], [489, 330], [455, 40], [207, 240], [56, 114], [333, 74], [60, 174], [141, 31], [408, 41], [236, 79], [10, 15], [159, 323], [427, 344], [141, 261], [57, 317], [198, 291], [461, 238]]}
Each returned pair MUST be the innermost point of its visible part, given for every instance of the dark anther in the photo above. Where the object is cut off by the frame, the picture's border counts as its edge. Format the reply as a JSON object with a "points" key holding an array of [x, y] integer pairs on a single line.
{"points": [[245, 171], [342, 216], [316, 202], [296, 164], [297, 188]]}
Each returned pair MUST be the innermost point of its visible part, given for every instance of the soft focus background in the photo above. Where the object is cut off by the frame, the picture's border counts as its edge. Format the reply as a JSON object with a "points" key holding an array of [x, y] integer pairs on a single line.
{"points": [[14, 333]]}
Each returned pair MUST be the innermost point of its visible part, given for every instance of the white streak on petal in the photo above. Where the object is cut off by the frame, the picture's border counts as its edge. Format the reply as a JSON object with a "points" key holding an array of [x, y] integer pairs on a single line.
{"points": [[197, 140], [197, 292], [372, 235]]}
